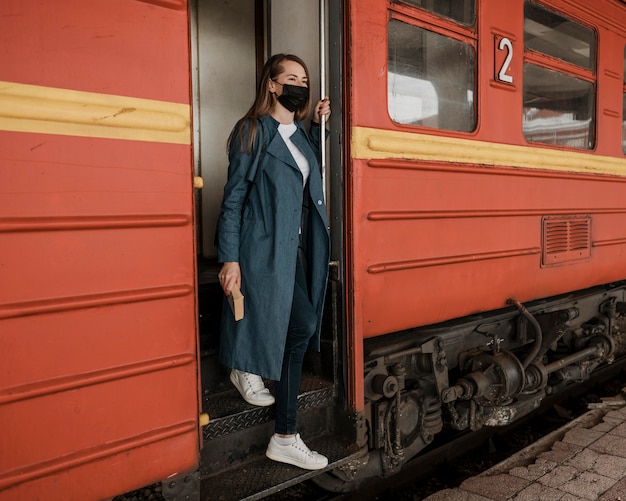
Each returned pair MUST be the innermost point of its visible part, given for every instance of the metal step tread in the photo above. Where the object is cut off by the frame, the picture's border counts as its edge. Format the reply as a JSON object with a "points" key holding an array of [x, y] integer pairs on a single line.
{"points": [[263, 477], [228, 412]]}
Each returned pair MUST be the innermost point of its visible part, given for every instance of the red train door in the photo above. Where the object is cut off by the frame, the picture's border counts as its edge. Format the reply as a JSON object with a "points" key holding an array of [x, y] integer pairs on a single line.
{"points": [[98, 351]]}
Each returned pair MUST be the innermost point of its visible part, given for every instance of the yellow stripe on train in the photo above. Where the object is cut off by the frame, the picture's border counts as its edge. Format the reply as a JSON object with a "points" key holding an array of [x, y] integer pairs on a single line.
{"points": [[49, 110], [369, 143]]}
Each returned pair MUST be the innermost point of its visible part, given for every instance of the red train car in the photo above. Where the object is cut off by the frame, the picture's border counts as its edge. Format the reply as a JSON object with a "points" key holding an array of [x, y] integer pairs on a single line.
{"points": [[476, 189], [98, 271]]}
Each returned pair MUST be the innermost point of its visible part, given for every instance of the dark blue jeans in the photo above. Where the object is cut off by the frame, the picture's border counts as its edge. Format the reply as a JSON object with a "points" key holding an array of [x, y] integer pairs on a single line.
{"points": [[302, 326]]}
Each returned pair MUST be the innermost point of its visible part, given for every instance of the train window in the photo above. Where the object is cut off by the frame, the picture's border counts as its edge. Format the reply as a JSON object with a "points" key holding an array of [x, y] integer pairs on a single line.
{"points": [[461, 11], [559, 97], [430, 79], [558, 108], [557, 36]]}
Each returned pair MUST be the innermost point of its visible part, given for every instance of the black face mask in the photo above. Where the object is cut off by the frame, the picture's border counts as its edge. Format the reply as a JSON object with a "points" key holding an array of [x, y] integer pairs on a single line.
{"points": [[293, 97]]}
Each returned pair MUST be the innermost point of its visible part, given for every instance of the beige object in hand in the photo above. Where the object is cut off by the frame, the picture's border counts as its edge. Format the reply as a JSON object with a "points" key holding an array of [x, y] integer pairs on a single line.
{"points": [[235, 300]]}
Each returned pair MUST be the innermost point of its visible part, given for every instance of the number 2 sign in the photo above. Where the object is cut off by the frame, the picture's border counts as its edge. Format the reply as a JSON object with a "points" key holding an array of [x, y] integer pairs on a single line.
{"points": [[503, 58]]}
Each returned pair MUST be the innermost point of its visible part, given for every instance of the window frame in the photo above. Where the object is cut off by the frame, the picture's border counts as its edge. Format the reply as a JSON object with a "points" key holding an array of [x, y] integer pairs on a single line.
{"points": [[443, 26], [552, 63], [406, 4]]}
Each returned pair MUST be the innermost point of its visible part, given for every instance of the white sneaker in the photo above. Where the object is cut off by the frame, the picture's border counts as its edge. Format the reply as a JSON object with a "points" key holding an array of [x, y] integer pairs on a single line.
{"points": [[297, 454], [252, 388]]}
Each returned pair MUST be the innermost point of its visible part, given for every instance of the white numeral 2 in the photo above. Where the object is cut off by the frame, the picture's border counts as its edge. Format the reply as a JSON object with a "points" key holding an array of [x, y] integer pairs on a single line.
{"points": [[505, 43]]}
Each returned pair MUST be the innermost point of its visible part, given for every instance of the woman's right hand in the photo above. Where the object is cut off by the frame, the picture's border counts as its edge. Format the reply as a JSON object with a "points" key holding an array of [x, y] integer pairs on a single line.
{"points": [[229, 276]]}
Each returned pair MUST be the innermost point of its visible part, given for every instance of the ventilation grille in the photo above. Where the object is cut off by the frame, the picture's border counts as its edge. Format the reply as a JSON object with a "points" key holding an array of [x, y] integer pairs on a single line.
{"points": [[565, 239]]}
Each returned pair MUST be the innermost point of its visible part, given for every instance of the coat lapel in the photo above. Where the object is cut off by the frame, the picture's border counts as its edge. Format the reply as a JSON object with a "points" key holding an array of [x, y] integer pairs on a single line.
{"points": [[301, 140], [278, 149], [316, 190]]}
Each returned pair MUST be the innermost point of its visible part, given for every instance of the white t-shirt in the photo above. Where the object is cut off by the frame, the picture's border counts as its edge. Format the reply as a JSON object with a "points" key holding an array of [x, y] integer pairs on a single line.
{"points": [[286, 131]]}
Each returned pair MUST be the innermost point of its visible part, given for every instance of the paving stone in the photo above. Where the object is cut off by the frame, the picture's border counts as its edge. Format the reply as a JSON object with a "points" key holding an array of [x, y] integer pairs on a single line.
{"points": [[581, 436], [496, 487], [615, 417], [559, 476], [587, 464], [621, 410], [615, 421], [603, 427], [537, 491], [610, 444], [476, 497], [571, 497], [533, 471], [610, 466], [584, 460], [561, 452], [588, 485], [615, 493], [619, 430]]}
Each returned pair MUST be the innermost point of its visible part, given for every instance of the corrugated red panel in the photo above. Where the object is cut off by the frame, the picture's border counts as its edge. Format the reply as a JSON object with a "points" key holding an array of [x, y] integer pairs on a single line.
{"points": [[124, 47], [98, 349]]}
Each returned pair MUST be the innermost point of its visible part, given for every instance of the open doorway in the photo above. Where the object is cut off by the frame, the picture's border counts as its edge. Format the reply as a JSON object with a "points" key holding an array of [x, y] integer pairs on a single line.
{"points": [[231, 41]]}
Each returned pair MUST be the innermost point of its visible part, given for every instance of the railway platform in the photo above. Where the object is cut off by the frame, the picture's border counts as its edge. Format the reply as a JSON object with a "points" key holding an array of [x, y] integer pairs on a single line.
{"points": [[583, 460]]}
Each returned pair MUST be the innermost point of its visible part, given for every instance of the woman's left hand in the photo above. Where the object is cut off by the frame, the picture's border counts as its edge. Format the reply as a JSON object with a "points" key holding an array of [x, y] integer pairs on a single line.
{"points": [[322, 108]]}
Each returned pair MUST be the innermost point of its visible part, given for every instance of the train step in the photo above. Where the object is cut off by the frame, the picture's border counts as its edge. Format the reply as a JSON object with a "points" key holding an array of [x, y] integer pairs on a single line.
{"points": [[263, 477], [238, 432], [229, 413], [233, 463]]}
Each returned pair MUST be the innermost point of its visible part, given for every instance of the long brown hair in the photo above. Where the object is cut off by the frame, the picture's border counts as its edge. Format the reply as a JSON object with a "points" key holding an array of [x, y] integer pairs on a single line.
{"points": [[265, 101]]}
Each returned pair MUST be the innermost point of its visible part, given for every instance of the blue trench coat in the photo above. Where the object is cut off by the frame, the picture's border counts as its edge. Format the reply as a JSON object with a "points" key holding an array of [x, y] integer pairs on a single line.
{"points": [[259, 228]]}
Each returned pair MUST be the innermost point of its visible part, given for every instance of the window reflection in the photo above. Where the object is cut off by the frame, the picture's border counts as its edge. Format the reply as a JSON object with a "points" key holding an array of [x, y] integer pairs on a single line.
{"points": [[558, 109], [430, 79], [557, 36], [413, 100], [461, 11]]}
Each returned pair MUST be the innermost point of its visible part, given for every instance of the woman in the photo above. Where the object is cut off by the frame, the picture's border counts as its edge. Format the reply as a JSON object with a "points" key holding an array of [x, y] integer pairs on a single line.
{"points": [[273, 242]]}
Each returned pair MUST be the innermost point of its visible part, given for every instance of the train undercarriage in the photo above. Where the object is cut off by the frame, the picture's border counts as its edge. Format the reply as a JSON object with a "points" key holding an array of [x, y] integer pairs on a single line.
{"points": [[484, 370]]}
